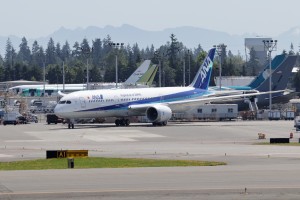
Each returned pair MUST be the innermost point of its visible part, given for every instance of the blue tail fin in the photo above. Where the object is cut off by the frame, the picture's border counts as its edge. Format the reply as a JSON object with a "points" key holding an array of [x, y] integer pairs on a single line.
{"points": [[280, 76], [263, 75], [202, 77]]}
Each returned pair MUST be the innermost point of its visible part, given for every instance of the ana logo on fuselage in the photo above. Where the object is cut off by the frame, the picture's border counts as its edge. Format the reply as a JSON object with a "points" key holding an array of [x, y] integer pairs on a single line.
{"points": [[205, 68], [97, 96]]}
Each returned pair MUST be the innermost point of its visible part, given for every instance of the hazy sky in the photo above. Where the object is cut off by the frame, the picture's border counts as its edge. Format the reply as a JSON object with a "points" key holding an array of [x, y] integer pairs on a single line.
{"points": [[35, 18]]}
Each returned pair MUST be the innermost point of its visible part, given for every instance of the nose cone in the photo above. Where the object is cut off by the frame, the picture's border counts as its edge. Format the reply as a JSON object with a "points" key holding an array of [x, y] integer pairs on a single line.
{"points": [[58, 110]]}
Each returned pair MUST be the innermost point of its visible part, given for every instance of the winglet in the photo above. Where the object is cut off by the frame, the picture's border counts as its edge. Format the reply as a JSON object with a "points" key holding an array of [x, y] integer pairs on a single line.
{"points": [[202, 77]]}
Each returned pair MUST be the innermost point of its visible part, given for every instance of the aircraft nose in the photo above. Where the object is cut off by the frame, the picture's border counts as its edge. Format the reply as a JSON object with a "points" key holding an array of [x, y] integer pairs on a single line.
{"points": [[58, 110]]}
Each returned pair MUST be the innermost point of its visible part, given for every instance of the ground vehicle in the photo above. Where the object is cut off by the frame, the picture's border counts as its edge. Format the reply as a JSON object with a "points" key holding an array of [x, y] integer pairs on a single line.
{"points": [[32, 118], [297, 123], [274, 115], [288, 115], [52, 118], [22, 120], [10, 118]]}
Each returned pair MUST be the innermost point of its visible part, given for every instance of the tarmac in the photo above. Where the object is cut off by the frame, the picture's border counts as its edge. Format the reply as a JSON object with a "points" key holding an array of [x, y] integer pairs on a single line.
{"points": [[252, 172]]}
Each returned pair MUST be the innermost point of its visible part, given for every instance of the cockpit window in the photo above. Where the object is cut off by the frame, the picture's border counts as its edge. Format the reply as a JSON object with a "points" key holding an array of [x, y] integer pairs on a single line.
{"points": [[62, 102], [68, 102]]}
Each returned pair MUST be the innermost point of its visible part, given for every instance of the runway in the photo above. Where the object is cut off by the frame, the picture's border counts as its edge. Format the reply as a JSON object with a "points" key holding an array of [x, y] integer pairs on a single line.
{"points": [[252, 171]]}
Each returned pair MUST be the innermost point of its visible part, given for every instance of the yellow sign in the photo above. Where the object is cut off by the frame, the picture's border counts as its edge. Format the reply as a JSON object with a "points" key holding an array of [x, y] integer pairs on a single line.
{"points": [[77, 153]]}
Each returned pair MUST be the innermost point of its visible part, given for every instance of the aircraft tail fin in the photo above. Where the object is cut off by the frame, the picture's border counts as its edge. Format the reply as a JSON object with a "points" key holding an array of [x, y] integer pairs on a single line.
{"points": [[261, 78], [203, 75], [138, 73], [61, 93], [280, 76]]}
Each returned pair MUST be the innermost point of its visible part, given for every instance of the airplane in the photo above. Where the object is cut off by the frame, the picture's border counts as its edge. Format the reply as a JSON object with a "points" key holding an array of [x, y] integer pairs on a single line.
{"points": [[275, 63], [53, 89], [157, 104], [282, 66]]}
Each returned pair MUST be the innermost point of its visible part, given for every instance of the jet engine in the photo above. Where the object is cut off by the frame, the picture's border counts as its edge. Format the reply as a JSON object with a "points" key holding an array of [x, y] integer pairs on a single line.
{"points": [[159, 113]]}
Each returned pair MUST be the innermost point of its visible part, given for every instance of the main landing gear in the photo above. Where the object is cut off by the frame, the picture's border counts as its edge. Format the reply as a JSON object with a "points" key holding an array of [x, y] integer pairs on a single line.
{"points": [[160, 123], [122, 122]]}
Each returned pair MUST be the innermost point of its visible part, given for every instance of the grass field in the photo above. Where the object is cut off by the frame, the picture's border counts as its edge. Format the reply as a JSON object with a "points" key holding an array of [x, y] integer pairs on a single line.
{"points": [[93, 162]]}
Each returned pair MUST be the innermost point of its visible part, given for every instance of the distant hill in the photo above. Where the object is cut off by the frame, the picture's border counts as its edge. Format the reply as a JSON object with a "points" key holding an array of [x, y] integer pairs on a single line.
{"points": [[189, 36]]}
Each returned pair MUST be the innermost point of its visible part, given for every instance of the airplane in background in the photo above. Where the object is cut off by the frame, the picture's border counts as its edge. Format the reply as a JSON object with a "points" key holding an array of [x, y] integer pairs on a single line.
{"points": [[157, 104], [282, 66], [138, 73], [50, 89]]}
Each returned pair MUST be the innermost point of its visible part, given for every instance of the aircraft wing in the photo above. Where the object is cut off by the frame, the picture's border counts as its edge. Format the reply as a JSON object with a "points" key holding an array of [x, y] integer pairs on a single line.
{"points": [[187, 104]]}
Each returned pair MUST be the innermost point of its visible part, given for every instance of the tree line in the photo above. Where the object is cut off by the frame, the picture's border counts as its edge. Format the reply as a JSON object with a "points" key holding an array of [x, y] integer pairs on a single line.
{"points": [[28, 63]]}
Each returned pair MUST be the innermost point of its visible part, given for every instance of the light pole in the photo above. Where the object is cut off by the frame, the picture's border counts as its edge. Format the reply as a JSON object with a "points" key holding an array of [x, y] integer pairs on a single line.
{"points": [[189, 66], [87, 51], [63, 67], [116, 46], [159, 56], [220, 49], [44, 78], [270, 45], [183, 73]]}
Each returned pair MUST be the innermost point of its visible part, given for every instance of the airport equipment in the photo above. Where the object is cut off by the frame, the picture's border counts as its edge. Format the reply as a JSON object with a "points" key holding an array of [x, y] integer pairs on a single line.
{"points": [[10, 118], [52, 118], [279, 140], [71, 163], [261, 136], [297, 123], [288, 115], [274, 115], [217, 111]]}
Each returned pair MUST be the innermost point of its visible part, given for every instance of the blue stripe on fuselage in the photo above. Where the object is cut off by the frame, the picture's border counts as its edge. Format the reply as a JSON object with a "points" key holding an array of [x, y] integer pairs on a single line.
{"points": [[195, 93]]}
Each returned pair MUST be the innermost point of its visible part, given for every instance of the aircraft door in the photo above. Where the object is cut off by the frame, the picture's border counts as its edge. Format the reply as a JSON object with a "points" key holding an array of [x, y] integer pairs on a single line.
{"points": [[82, 102]]}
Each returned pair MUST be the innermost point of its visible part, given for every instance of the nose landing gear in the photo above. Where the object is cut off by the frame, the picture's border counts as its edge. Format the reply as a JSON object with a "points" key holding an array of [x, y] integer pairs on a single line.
{"points": [[70, 125]]}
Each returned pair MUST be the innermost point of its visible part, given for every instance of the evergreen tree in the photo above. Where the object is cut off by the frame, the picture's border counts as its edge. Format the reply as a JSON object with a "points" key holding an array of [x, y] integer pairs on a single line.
{"points": [[58, 51], [97, 52], [253, 63], [35, 53], [51, 53], [2, 76], [106, 45], [65, 52], [77, 51], [24, 53], [296, 81], [292, 52], [136, 53]]}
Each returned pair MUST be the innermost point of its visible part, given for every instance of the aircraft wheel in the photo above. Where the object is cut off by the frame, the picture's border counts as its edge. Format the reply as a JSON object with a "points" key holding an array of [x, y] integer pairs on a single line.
{"points": [[72, 126], [69, 126], [165, 123], [122, 122], [127, 122], [117, 122]]}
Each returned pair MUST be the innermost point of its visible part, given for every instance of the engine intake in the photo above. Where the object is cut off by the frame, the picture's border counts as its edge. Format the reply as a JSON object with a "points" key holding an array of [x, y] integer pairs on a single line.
{"points": [[159, 113]]}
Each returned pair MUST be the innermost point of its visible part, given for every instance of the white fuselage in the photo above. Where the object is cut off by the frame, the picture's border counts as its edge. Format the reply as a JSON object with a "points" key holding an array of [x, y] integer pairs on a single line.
{"points": [[115, 102]]}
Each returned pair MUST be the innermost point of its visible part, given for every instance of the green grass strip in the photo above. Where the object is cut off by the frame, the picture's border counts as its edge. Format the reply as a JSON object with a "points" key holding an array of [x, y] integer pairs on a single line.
{"points": [[278, 144], [94, 162]]}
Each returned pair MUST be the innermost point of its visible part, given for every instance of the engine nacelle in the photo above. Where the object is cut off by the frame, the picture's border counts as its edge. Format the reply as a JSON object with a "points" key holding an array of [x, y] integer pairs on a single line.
{"points": [[159, 113]]}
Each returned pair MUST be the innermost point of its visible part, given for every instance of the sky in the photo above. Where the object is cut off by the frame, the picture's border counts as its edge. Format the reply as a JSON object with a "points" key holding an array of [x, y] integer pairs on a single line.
{"points": [[37, 18]]}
